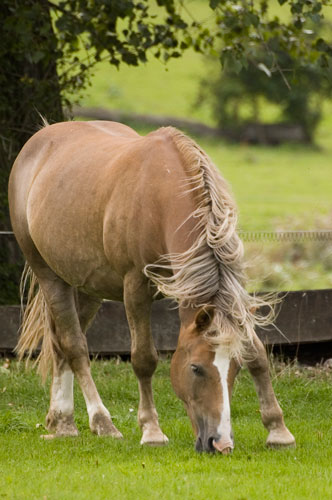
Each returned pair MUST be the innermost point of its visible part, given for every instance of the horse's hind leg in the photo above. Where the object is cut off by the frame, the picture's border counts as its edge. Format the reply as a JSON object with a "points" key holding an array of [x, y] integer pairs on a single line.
{"points": [[271, 413], [87, 307], [144, 356], [73, 351], [60, 419]]}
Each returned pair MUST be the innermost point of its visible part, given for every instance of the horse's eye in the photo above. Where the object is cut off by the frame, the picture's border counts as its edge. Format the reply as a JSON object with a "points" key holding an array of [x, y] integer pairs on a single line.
{"points": [[197, 370]]}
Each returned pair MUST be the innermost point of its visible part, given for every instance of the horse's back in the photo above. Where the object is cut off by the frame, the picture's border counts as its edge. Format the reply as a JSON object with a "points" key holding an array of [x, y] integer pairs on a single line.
{"points": [[90, 193], [58, 141]]}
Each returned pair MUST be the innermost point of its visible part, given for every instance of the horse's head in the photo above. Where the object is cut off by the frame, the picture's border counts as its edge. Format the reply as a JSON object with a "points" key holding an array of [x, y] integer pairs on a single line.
{"points": [[202, 376]]}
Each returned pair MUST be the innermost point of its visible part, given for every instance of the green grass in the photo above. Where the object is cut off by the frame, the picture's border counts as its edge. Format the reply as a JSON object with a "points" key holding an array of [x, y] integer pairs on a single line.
{"points": [[272, 184], [90, 467], [153, 88]]}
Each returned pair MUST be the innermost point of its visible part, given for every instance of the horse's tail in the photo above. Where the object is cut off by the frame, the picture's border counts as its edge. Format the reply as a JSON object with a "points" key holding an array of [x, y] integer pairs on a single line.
{"points": [[37, 329]]}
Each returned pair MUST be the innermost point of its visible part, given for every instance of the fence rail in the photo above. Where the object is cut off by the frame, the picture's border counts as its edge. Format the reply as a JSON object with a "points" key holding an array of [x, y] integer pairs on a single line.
{"points": [[304, 317], [321, 235], [294, 236]]}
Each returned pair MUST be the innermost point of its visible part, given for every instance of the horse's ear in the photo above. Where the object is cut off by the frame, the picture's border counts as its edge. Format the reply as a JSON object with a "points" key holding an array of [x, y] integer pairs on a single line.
{"points": [[204, 318]]}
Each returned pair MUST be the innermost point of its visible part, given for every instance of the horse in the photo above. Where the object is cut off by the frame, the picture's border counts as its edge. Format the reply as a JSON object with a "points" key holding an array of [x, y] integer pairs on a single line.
{"points": [[103, 213]]}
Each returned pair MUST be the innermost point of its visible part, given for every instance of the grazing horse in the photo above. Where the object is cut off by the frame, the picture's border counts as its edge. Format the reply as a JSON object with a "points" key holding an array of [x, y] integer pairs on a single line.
{"points": [[101, 212]]}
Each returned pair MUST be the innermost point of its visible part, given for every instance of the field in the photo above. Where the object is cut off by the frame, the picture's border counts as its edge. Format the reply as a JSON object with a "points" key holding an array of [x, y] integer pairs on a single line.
{"points": [[90, 467]]}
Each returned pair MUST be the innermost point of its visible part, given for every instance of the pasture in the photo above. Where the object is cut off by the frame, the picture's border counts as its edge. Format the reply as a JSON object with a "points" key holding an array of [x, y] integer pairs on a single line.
{"points": [[91, 467]]}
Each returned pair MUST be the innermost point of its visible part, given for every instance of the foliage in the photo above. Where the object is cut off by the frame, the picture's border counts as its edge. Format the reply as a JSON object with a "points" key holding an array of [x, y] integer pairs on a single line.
{"points": [[278, 65], [298, 91], [248, 30]]}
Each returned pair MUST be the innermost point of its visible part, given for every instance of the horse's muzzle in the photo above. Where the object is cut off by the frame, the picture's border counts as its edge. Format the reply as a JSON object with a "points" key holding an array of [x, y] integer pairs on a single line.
{"points": [[213, 444], [206, 444]]}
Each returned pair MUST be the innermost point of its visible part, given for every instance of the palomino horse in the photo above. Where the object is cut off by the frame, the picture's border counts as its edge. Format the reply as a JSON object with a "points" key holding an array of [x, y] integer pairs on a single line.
{"points": [[103, 213]]}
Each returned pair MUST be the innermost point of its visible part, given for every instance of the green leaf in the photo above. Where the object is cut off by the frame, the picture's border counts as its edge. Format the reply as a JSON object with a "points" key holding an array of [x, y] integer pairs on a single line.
{"points": [[214, 3], [322, 46], [37, 56], [315, 18]]}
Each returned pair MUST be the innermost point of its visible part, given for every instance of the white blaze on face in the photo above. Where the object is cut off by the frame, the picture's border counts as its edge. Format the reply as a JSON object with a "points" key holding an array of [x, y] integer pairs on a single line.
{"points": [[222, 362]]}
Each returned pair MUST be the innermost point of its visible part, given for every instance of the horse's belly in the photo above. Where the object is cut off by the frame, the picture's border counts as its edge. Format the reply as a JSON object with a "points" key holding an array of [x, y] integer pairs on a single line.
{"points": [[104, 283], [100, 281], [79, 263]]}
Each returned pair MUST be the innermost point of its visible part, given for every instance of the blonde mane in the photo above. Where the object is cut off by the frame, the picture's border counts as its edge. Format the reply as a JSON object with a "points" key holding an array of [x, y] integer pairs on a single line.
{"points": [[211, 270]]}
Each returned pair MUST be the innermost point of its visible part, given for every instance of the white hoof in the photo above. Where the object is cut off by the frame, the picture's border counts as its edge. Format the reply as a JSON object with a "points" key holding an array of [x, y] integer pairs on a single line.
{"points": [[154, 438], [280, 437]]}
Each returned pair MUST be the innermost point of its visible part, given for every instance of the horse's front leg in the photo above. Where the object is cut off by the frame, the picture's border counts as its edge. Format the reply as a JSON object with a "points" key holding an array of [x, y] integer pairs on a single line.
{"points": [[144, 356], [271, 413]]}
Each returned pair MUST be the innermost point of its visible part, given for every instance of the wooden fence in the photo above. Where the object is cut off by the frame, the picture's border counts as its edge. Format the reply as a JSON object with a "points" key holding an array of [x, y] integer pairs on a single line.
{"points": [[304, 317]]}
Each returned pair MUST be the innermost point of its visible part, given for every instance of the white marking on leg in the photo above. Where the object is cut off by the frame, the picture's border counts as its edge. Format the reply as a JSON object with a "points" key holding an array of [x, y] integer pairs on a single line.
{"points": [[222, 362], [99, 417], [94, 408], [93, 401], [62, 398]]}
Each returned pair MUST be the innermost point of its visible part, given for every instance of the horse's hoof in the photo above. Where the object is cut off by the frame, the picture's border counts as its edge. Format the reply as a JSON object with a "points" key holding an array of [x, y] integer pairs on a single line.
{"points": [[61, 426], [279, 438], [103, 426], [154, 438]]}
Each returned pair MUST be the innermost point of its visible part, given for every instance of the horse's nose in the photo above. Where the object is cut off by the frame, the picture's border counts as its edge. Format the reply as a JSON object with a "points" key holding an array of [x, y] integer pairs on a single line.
{"points": [[206, 445], [210, 441], [224, 446]]}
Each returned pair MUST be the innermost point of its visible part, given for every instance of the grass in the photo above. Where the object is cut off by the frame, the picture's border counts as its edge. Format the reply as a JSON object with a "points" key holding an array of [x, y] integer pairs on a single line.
{"points": [[271, 184], [91, 467]]}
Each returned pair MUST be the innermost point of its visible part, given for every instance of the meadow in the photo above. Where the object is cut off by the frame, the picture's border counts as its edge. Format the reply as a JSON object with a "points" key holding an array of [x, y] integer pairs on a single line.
{"points": [[91, 467]]}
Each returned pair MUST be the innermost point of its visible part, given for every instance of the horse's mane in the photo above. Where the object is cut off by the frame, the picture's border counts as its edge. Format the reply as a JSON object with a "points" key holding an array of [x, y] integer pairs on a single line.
{"points": [[211, 270]]}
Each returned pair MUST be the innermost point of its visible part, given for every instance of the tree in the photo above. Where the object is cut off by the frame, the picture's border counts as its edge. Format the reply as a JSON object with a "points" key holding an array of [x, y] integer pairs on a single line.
{"points": [[238, 98], [288, 64], [48, 48]]}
